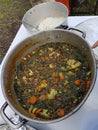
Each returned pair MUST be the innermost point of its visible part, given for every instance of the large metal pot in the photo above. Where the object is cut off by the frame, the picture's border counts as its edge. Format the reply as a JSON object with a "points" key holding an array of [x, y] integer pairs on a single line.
{"points": [[8, 66]]}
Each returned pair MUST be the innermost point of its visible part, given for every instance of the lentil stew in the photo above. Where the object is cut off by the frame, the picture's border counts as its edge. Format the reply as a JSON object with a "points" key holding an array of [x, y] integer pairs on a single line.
{"points": [[51, 80]]}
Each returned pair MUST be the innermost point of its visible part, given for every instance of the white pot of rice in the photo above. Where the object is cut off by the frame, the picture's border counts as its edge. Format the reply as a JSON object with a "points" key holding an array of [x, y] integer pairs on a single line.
{"points": [[45, 16]]}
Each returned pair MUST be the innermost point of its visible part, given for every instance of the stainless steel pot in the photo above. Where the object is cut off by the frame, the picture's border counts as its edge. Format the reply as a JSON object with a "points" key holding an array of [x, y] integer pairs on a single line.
{"points": [[8, 65], [34, 16]]}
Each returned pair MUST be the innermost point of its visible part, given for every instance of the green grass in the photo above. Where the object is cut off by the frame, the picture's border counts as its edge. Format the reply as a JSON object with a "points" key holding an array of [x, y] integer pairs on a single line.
{"points": [[11, 13], [6, 1]]}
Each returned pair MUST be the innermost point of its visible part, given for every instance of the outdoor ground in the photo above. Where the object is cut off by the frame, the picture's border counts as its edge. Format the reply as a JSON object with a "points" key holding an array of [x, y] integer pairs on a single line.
{"points": [[11, 13]]}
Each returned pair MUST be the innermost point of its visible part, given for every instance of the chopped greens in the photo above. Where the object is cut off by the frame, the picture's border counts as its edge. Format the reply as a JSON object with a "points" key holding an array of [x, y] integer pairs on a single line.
{"points": [[51, 80]]}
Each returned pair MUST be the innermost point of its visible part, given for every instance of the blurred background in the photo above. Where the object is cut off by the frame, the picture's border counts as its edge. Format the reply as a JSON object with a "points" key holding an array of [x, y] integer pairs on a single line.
{"points": [[12, 11]]}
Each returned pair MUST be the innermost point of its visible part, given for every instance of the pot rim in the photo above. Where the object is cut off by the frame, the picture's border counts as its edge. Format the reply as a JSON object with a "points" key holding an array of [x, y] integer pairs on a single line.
{"points": [[55, 120]]}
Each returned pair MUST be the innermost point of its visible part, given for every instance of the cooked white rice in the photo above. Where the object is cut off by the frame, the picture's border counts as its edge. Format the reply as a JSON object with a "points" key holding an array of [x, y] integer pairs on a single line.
{"points": [[50, 23]]}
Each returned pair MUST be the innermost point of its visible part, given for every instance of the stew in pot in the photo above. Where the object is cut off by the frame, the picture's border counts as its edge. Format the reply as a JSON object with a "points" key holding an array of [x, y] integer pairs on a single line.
{"points": [[51, 80]]}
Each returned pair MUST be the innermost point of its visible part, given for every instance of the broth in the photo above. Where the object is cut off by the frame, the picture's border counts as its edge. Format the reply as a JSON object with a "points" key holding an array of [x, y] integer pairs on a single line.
{"points": [[51, 80]]}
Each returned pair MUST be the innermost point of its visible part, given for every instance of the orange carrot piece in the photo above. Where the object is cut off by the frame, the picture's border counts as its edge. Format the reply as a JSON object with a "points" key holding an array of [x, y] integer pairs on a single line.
{"points": [[38, 88], [62, 77], [77, 82], [40, 68], [88, 84], [44, 81], [38, 111], [32, 100], [47, 58], [54, 74], [60, 112], [42, 97]]}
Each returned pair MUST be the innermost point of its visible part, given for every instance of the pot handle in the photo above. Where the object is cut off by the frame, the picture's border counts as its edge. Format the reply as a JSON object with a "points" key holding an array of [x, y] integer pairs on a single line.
{"points": [[62, 27], [83, 33], [7, 119]]}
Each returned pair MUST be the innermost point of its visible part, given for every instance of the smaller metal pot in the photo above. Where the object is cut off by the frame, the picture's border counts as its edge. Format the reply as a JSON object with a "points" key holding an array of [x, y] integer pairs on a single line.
{"points": [[34, 16]]}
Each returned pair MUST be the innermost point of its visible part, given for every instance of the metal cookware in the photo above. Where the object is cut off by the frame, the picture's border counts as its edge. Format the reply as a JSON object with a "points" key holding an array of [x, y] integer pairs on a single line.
{"points": [[34, 16], [56, 35]]}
